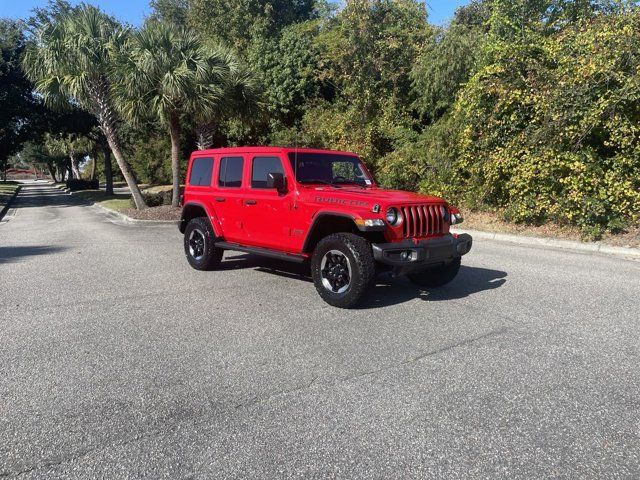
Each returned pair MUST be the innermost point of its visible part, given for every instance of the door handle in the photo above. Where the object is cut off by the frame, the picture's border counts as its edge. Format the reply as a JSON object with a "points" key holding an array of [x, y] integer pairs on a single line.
{"points": [[220, 199], [250, 202]]}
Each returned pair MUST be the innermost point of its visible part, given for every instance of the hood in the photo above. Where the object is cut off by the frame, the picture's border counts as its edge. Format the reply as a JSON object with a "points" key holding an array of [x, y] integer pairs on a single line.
{"points": [[372, 195]]}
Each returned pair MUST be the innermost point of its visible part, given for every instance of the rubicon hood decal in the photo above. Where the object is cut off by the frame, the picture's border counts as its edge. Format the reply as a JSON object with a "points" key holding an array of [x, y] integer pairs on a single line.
{"points": [[342, 201]]}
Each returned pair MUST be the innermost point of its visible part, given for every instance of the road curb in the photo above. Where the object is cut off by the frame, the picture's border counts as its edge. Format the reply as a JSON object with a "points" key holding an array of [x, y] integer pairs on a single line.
{"points": [[587, 247], [133, 221], [7, 206]]}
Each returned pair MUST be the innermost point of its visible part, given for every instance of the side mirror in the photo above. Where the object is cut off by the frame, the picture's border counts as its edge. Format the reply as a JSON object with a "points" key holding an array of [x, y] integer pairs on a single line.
{"points": [[276, 180]]}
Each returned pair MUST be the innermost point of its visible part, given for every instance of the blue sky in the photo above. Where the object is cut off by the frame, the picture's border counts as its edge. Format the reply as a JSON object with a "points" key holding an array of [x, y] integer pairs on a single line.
{"points": [[134, 11]]}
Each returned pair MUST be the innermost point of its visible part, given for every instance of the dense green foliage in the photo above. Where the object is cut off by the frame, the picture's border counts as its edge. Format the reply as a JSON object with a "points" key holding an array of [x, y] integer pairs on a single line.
{"points": [[529, 108], [17, 105], [551, 126]]}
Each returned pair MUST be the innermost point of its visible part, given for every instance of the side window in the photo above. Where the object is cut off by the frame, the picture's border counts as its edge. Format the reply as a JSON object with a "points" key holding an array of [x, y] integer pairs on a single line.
{"points": [[201, 169], [263, 166], [230, 174]]}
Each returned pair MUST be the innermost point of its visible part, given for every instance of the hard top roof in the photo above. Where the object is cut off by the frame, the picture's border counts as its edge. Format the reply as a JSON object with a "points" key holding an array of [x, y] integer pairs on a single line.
{"points": [[285, 150]]}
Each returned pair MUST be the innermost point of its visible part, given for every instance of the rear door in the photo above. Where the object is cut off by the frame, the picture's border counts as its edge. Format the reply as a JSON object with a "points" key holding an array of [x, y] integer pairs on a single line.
{"points": [[198, 188], [227, 198], [267, 212]]}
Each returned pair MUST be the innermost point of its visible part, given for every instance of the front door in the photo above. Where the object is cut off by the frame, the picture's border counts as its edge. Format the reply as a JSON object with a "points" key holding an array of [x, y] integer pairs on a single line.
{"points": [[267, 211]]}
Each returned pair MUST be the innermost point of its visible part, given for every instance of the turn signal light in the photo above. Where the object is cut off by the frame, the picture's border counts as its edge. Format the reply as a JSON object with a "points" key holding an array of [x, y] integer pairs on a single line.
{"points": [[456, 216]]}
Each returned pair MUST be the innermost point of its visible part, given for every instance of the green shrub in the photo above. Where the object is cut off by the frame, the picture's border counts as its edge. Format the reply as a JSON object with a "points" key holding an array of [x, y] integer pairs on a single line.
{"points": [[550, 130]]}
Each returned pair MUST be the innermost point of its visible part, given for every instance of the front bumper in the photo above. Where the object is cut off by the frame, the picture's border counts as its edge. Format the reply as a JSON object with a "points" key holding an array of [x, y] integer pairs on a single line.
{"points": [[410, 255]]}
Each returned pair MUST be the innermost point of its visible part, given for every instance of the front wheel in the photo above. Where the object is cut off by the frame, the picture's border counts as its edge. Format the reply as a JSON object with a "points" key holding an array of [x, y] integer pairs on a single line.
{"points": [[199, 245], [436, 277], [343, 268]]}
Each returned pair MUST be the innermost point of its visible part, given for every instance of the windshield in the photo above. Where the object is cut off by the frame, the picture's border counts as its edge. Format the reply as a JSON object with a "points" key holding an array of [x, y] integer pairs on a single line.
{"points": [[328, 168]]}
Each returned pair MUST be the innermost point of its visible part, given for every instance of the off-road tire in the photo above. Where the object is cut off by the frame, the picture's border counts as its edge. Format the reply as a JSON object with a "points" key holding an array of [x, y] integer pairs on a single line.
{"points": [[360, 255], [436, 277], [211, 255]]}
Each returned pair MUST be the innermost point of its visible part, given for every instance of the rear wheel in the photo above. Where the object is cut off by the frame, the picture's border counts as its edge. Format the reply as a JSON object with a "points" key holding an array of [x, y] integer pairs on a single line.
{"points": [[199, 245], [436, 277], [343, 268]]}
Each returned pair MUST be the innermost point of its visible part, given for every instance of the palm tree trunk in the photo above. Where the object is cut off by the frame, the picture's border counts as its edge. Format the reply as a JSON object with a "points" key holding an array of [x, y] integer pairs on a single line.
{"points": [[114, 143], [52, 171], [174, 131], [94, 158], [75, 167], [108, 173]]}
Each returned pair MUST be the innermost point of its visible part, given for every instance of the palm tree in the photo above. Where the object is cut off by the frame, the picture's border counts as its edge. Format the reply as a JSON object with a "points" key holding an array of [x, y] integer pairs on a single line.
{"points": [[241, 97], [71, 62], [166, 75]]}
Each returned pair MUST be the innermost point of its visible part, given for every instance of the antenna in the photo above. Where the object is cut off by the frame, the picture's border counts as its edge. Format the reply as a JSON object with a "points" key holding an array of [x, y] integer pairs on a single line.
{"points": [[295, 170], [295, 156]]}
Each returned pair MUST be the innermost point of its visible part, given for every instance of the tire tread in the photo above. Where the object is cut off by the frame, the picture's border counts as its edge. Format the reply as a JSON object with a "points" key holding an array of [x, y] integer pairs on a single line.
{"points": [[363, 262], [213, 255]]}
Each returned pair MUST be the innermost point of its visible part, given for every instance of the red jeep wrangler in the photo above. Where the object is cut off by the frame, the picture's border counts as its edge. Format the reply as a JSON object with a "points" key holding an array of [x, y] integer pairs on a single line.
{"points": [[317, 205]]}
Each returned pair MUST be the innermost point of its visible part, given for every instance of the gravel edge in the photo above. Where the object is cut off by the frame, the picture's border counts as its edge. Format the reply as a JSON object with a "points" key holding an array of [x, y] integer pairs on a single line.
{"points": [[7, 205], [133, 221]]}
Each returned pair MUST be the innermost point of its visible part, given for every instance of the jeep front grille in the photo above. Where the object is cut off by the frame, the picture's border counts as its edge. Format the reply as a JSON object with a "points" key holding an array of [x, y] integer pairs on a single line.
{"points": [[423, 221]]}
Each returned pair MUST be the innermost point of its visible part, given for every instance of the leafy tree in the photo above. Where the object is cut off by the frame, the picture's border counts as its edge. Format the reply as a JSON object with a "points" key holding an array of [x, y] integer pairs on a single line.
{"points": [[475, 14], [17, 105], [71, 60], [172, 11], [444, 66], [290, 69], [73, 146], [366, 55], [36, 154], [152, 158], [370, 49], [237, 22]]}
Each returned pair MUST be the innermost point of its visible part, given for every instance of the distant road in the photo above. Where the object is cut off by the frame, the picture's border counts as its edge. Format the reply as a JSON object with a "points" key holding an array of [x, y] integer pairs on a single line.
{"points": [[118, 360]]}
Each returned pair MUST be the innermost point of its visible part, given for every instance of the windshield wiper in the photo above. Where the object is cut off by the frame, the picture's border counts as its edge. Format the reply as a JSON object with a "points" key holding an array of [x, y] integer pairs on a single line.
{"points": [[349, 182], [315, 180]]}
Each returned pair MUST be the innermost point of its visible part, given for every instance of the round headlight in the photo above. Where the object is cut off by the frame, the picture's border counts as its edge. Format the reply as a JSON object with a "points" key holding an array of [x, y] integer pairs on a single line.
{"points": [[393, 216]]}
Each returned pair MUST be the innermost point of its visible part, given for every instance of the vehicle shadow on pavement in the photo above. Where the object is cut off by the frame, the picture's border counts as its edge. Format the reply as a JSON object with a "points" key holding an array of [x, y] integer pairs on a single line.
{"points": [[14, 254], [388, 291], [47, 196], [470, 280], [282, 268]]}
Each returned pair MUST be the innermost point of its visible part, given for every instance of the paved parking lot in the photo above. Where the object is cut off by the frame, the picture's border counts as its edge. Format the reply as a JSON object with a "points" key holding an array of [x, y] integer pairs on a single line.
{"points": [[117, 360]]}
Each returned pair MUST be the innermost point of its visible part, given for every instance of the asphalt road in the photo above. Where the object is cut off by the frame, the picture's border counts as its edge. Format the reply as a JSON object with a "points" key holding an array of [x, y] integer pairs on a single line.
{"points": [[117, 360]]}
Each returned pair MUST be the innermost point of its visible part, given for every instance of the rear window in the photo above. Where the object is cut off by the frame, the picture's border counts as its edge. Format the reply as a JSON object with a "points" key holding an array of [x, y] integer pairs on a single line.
{"points": [[201, 169], [230, 174], [262, 167]]}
